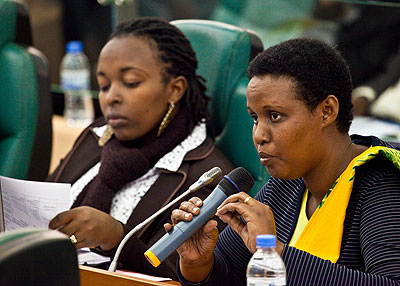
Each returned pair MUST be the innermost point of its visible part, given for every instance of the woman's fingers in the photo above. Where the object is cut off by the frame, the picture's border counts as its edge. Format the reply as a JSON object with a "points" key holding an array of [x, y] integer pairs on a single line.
{"points": [[189, 207], [60, 220], [89, 227], [247, 217], [186, 211], [201, 244], [235, 209], [196, 201], [240, 198], [167, 227], [179, 215], [80, 238], [64, 222], [210, 226]]}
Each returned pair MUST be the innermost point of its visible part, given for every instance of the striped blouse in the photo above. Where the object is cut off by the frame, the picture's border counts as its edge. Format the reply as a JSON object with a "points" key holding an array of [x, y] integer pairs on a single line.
{"points": [[370, 250]]}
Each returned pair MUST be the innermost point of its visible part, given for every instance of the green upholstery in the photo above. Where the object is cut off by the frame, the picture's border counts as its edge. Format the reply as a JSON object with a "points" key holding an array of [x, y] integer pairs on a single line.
{"points": [[273, 21], [18, 98], [41, 153], [224, 52], [37, 257]]}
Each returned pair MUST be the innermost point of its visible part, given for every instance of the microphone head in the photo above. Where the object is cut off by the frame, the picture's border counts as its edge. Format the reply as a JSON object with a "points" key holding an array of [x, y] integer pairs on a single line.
{"points": [[238, 180], [205, 179], [211, 174]]}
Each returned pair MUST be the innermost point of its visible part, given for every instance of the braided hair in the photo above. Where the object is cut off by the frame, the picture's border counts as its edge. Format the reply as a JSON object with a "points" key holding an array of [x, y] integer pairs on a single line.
{"points": [[175, 51]]}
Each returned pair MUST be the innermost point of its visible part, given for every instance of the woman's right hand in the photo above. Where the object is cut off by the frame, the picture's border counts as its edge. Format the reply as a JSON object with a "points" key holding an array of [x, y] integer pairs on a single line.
{"points": [[196, 253]]}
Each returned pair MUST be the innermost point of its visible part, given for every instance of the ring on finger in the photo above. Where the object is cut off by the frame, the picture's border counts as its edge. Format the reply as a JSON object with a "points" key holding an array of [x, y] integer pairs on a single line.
{"points": [[246, 200], [73, 239]]}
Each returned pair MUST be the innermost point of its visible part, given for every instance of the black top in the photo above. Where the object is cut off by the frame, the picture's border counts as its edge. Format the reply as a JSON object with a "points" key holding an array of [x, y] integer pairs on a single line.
{"points": [[370, 250]]}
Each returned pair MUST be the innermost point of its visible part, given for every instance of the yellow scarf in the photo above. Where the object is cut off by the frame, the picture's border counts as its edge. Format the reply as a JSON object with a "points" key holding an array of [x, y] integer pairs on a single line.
{"points": [[322, 235]]}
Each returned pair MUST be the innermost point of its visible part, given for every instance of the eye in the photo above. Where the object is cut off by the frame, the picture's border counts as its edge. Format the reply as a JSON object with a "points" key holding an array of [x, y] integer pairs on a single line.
{"points": [[255, 118], [104, 88], [274, 116], [132, 84]]}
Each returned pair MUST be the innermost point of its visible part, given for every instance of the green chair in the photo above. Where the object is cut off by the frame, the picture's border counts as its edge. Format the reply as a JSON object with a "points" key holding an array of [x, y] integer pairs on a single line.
{"points": [[273, 21], [37, 257], [25, 116], [224, 52]]}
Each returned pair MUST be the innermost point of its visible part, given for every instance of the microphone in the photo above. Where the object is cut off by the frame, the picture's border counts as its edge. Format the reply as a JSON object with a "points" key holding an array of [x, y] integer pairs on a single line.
{"points": [[238, 180], [204, 179]]}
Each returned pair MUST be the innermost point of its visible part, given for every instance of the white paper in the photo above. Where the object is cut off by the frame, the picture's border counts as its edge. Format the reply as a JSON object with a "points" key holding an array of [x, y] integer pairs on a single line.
{"points": [[365, 125], [32, 204], [144, 276], [85, 256]]}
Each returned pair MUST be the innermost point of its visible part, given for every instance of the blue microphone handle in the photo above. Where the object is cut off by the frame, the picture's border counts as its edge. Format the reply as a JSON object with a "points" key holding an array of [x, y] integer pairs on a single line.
{"points": [[184, 230]]}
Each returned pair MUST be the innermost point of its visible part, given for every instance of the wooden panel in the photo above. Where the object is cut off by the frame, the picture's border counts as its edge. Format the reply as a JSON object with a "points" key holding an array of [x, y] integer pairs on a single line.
{"points": [[97, 277]]}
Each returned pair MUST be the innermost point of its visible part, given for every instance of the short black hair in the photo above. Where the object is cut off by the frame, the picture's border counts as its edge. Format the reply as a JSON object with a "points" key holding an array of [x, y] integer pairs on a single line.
{"points": [[176, 52], [317, 69]]}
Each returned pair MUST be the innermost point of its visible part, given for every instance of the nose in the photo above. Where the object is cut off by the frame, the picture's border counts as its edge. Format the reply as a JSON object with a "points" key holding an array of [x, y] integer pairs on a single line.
{"points": [[113, 96], [261, 134]]}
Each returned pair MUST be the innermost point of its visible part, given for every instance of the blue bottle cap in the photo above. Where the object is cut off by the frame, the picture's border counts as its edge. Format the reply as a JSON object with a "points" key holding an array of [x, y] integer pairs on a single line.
{"points": [[266, 240], [74, 47]]}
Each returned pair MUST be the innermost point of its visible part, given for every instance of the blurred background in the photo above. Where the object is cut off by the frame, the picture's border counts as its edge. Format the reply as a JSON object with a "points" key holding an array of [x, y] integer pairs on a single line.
{"points": [[365, 31]]}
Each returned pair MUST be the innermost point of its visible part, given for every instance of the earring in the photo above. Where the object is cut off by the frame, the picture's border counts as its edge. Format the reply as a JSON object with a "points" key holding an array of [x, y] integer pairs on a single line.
{"points": [[166, 119], [108, 133]]}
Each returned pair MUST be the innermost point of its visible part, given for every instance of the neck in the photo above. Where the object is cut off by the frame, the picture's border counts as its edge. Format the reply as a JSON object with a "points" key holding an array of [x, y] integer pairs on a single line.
{"points": [[336, 156], [152, 135]]}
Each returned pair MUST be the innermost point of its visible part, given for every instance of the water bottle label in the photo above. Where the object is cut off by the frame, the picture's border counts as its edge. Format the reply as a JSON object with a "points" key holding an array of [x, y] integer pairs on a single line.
{"points": [[75, 79], [277, 281]]}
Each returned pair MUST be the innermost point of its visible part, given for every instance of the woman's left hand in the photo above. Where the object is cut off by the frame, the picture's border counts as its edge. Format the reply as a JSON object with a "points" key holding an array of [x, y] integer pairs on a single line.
{"points": [[90, 227], [258, 218]]}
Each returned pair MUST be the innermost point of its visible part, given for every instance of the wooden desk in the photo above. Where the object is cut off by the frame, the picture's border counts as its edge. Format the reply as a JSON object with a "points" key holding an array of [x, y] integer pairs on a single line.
{"points": [[63, 138], [97, 277]]}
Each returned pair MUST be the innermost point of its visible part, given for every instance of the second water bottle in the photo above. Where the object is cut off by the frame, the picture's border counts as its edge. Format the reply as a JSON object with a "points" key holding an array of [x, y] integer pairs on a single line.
{"points": [[266, 267], [75, 83]]}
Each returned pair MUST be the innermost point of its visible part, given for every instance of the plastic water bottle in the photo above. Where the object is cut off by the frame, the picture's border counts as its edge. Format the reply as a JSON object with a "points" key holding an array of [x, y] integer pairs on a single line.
{"points": [[75, 83], [266, 267]]}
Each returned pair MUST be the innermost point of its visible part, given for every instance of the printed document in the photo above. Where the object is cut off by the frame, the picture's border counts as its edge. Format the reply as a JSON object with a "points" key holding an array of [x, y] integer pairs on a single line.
{"points": [[31, 204]]}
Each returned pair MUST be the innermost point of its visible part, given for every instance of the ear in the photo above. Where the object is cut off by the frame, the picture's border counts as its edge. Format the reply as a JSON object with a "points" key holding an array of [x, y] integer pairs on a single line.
{"points": [[328, 110], [177, 87]]}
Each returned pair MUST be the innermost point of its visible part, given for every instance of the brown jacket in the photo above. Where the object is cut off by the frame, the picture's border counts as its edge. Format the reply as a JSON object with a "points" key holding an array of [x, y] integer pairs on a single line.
{"points": [[86, 153]]}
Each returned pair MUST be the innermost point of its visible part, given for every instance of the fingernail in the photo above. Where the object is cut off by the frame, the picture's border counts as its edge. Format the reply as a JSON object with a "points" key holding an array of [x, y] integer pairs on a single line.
{"points": [[195, 209], [187, 215], [198, 203]]}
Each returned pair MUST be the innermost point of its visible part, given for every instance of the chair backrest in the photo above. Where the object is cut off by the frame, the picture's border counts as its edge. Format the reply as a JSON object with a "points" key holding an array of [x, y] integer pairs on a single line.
{"points": [[24, 133], [37, 257], [41, 153], [224, 52]]}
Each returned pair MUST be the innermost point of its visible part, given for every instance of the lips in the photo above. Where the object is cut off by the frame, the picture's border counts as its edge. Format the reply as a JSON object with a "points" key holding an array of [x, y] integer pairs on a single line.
{"points": [[116, 120], [265, 158]]}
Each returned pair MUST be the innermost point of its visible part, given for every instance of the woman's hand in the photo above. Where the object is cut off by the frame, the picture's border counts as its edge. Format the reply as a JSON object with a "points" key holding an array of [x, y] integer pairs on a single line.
{"points": [[258, 218], [90, 226], [196, 254]]}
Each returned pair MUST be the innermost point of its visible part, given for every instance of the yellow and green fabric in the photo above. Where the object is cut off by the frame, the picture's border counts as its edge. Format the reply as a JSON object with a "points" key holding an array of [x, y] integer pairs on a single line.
{"points": [[322, 236]]}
